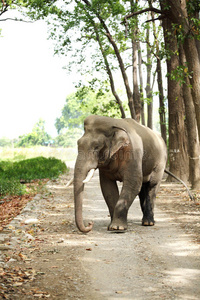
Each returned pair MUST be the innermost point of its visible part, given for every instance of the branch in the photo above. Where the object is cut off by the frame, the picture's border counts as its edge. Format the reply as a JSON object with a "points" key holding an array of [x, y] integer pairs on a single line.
{"points": [[4, 8], [158, 11], [159, 18], [18, 20]]}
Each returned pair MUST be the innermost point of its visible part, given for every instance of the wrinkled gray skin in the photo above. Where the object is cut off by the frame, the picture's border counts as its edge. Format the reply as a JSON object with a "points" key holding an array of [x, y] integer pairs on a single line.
{"points": [[126, 151]]}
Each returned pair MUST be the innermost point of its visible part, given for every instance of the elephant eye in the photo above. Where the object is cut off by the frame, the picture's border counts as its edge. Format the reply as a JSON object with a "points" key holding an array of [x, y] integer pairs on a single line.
{"points": [[96, 148]]}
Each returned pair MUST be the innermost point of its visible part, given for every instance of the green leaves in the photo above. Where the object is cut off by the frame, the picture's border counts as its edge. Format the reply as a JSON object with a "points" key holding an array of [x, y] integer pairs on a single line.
{"points": [[180, 74]]}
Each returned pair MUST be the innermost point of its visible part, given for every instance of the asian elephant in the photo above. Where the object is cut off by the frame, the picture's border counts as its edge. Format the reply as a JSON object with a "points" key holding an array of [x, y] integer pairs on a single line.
{"points": [[122, 150]]}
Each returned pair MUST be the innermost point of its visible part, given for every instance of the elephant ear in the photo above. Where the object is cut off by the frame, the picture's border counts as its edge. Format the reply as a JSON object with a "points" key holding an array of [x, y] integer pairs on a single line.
{"points": [[119, 140]]}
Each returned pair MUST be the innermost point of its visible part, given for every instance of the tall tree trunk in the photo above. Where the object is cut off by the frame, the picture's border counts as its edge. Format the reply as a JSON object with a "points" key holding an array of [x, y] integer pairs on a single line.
{"points": [[148, 86], [191, 125], [194, 69], [141, 84], [136, 93], [178, 162], [163, 128], [178, 14]]}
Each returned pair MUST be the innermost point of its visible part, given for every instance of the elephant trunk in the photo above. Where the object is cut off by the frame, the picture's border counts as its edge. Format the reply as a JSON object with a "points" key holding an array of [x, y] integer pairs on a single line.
{"points": [[80, 174]]}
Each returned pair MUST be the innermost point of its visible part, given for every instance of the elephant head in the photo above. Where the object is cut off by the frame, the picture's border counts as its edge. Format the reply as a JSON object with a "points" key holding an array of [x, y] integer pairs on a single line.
{"points": [[96, 148]]}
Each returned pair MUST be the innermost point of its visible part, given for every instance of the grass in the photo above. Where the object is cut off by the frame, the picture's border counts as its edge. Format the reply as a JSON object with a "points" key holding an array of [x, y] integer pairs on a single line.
{"points": [[17, 154], [14, 172]]}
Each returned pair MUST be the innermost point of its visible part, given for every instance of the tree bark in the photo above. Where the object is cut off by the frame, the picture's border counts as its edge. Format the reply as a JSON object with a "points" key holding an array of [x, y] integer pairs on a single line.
{"points": [[178, 162], [148, 86], [136, 93], [141, 84], [191, 125], [178, 14], [194, 69], [163, 128]]}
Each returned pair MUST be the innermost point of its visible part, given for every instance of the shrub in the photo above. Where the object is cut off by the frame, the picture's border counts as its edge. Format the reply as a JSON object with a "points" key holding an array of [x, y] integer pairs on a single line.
{"points": [[26, 170], [11, 187]]}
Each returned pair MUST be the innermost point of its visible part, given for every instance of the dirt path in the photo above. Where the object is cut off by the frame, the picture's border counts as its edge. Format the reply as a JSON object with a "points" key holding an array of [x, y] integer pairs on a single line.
{"points": [[51, 259]]}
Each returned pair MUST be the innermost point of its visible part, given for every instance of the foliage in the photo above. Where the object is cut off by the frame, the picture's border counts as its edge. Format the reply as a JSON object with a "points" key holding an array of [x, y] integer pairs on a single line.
{"points": [[81, 104], [180, 74], [11, 187], [33, 168], [5, 142], [68, 137], [38, 136], [92, 36], [11, 173]]}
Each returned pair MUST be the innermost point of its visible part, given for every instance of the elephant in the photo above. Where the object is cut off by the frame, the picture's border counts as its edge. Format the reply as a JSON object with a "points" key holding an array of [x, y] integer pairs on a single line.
{"points": [[125, 151]]}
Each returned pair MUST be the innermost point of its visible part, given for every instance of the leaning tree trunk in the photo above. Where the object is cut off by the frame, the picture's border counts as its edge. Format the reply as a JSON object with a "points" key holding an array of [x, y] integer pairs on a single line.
{"points": [[178, 162], [119, 59], [109, 72]]}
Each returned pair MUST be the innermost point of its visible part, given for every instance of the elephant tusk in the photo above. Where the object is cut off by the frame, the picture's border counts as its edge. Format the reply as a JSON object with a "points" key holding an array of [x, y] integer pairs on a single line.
{"points": [[89, 176], [70, 182]]}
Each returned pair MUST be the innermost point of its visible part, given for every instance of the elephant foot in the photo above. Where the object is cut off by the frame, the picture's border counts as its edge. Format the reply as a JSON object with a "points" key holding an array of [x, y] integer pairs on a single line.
{"points": [[117, 228], [148, 222]]}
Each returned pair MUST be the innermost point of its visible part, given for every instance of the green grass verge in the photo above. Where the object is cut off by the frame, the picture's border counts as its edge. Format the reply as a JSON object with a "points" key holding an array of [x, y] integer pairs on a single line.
{"points": [[11, 173]]}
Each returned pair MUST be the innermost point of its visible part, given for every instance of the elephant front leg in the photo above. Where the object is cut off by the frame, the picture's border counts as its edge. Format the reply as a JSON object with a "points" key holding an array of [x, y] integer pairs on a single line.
{"points": [[110, 192], [128, 194], [119, 220]]}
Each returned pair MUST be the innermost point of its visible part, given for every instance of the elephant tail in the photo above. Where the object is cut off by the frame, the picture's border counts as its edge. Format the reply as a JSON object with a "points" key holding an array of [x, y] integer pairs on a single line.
{"points": [[178, 179]]}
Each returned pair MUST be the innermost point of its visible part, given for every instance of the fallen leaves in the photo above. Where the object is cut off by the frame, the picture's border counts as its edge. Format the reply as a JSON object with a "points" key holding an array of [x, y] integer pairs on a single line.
{"points": [[11, 206], [11, 278]]}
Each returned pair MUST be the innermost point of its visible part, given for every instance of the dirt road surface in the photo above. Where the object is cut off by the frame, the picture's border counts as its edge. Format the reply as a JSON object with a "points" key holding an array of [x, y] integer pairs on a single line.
{"points": [[159, 262]]}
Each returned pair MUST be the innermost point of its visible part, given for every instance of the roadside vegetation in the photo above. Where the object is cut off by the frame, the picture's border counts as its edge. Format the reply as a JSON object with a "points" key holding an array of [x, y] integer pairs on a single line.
{"points": [[21, 180], [13, 175]]}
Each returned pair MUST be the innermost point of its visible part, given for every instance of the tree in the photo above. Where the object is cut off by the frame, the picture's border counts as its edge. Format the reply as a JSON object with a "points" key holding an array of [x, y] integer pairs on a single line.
{"points": [[187, 30], [180, 20], [83, 103], [191, 125], [178, 159], [96, 24], [5, 142], [38, 136], [148, 85]]}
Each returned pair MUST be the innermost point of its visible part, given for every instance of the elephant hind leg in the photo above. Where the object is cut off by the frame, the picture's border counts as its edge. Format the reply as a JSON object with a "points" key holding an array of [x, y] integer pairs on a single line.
{"points": [[147, 196]]}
